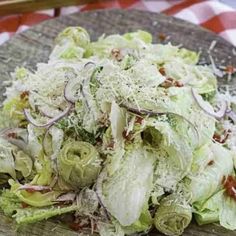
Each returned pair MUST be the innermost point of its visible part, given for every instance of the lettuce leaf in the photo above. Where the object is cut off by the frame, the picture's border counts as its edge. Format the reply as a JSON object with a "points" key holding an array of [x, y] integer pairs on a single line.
{"points": [[218, 208], [7, 164], [9, 202], [207, 212], [208, 178], [110, 229], [36, 199], [127, 190], [173, 215], [144, 223], [23, 163], [79, 163], [33, 215]]}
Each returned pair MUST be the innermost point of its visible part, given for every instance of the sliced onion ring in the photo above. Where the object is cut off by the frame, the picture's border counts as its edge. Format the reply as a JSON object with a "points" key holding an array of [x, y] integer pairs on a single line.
{"points": [[68, 91], [36, 188], [218, 115], [90, 63], [98, 191], [50, 122], [67, 197], [157, 113]]}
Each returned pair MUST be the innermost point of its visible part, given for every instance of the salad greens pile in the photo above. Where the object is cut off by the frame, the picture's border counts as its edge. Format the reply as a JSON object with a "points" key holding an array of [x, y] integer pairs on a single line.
{"points": [[122, 134]]}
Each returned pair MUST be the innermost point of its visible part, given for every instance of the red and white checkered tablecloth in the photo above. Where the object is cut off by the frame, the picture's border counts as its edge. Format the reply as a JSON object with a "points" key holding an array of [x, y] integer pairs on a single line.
{"points": [[210, 14]]}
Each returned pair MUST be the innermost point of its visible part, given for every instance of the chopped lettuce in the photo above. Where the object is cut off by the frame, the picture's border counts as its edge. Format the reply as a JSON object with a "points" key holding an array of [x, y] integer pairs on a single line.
{"points": [[7, 164], [206, 179], [79, 164], [23, 163], [218, 208], [144, 223], [33, 215], [127, 190], [110, 229], [173, 215], [36, 199]]}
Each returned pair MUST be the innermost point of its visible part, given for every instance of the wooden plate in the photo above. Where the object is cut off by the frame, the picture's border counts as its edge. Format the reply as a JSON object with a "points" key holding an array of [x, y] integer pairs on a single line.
{"points": [[35, 45]]}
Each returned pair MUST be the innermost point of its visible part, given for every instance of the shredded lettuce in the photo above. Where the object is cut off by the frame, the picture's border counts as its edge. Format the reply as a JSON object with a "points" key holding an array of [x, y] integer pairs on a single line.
{"points": [[79, 164], [126, 191]]}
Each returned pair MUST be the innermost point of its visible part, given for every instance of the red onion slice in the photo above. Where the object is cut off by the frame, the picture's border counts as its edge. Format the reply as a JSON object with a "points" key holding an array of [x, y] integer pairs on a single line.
{"points": [[98, 191], [31, 120], [48, 112], [67, 197], [89, 64], [69, 90], [36, 188], [218, 115]]}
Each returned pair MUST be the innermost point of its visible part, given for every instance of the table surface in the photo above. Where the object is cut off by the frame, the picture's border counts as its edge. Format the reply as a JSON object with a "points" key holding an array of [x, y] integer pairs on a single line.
{"points": [[35, 45]]}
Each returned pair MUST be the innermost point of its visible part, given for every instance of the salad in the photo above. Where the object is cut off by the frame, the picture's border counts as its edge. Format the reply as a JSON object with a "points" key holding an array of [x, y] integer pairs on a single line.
{"points": [[121, 134]]}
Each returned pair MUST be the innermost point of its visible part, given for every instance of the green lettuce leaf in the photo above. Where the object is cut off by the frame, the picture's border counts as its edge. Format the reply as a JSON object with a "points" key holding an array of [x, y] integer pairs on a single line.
{"points": [[199, 77], [173, 153], [218, 208], [110, 229], [208, 177], [126, 191], [32, 215], [44, 171], [9, 202], [79, 163], [77, 35], [14, 107], [23, 163], [227, 214], [36, 199], [140, 34], [189, 57], [144, 223], [7, 164], [173, 215], [207, 212]]}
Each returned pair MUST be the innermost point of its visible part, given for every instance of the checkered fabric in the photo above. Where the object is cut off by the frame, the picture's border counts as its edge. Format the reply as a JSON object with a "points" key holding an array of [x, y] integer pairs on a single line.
{"points": [[210, 14]]}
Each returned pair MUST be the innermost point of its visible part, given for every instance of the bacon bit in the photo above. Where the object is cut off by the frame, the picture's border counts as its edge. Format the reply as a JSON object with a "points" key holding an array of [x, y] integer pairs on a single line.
{"points": [[116, 54], [230, 186], [222, 138], [162, 36], [75, 226], [128, 136], [111, 145], [138, 120], [24, 205], [24, 94], [162, 71], [229, 69], [210, 163], [12, 135], [169, 82], [178, 84]]}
